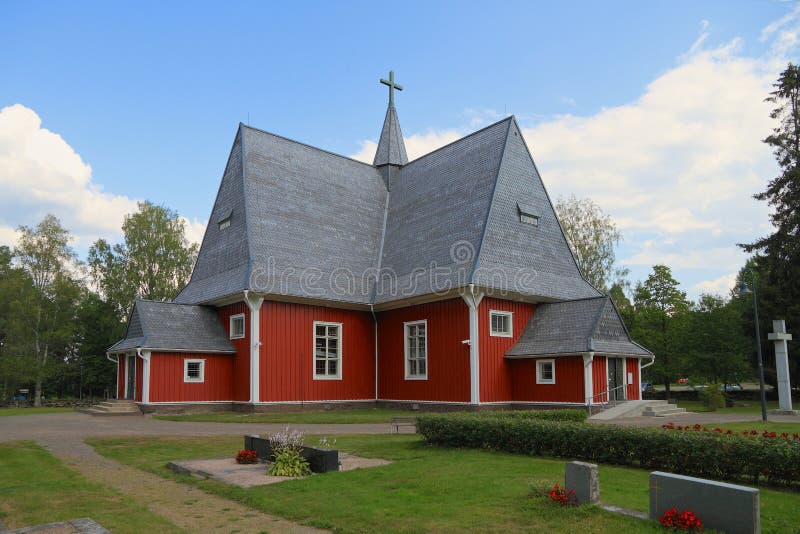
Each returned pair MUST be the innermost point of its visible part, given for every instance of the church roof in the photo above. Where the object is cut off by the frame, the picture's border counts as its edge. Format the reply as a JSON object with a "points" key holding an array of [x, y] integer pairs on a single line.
{"points": [[303, 222], [575, 327], [167, 326]]}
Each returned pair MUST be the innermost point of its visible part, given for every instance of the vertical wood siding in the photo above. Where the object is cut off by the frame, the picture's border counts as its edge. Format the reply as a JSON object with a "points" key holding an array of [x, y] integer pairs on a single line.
{"points": [[241, 362], [599, 378], [495, 370], [633, 389], [448, 358], [287, 354], [166, 378], [568, 386], [139, 379]]}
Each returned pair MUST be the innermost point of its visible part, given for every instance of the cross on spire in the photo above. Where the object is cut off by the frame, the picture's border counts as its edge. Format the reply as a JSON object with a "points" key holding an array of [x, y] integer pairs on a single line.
{"points": [[392, 87]]}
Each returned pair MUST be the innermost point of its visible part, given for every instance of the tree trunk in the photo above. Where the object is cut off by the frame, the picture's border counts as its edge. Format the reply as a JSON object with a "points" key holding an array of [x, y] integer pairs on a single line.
{"points": [[37, 395], [666, 389]]}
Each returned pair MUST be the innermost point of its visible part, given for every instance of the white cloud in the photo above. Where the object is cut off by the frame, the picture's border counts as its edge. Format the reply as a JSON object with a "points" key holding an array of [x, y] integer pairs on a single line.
{"points": [[681, 162], [717, 286], [195, 230], [40, 173]]}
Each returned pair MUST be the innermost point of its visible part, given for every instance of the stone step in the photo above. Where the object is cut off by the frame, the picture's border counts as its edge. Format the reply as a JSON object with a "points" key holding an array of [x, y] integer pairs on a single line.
{"points": [[663, 410], [113, 407]]}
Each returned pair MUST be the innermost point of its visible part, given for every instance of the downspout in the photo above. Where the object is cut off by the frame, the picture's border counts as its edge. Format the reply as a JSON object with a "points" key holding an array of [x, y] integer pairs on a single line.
{"points": [[145, 375], [474, 355], [375, 322], [652, 361]]}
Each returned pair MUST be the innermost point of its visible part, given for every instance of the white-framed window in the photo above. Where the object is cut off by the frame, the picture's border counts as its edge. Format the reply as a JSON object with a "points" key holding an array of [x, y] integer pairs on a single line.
{"points": [[327, 351], [416, 350], [545, 371], [237, 326], [501, 323], [194, 370]]}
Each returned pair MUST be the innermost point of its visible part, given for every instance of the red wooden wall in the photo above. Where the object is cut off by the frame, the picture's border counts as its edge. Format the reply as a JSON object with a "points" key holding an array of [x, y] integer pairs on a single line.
{"points": [[599, 379], [166, 378], [568, 386], [448, 358], [633, 389], [287, 354], [495, 378], [241, 362]]}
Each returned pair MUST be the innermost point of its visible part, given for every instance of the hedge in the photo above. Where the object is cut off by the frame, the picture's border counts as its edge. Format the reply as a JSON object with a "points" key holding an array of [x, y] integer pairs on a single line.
{"points": [[575, 416], [709, 455]]}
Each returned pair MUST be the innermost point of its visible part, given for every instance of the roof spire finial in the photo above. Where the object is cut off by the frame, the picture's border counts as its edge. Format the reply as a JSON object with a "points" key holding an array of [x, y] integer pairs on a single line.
{"points": [[392, 87]]}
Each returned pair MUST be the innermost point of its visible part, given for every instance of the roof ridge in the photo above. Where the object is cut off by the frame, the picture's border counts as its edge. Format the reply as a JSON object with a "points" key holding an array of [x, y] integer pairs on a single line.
{"points": [[491, 204], [476, 132], [259, 130]]}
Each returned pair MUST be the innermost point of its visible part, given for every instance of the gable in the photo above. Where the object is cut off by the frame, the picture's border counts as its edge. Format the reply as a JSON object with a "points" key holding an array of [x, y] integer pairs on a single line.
{"points": [[436, 215], [529, 259], [314, 219], [222, 262]]}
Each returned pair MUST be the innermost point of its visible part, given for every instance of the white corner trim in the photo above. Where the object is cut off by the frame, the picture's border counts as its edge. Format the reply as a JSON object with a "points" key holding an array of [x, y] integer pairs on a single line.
{"points": [[588, 379], [145, 356], [473, 301], [254, 303]]}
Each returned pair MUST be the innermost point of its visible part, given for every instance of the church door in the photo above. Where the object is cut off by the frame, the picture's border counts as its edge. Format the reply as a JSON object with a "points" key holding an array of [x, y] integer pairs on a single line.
{"points": [[616, 379], [130, 377]]}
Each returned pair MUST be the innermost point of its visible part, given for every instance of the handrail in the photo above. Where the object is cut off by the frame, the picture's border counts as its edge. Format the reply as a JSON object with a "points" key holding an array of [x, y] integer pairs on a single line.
{"points": [[589, 400]]}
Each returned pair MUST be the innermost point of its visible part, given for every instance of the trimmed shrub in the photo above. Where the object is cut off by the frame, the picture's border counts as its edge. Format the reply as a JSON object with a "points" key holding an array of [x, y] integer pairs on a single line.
{"points": [[712, 398], [731, 457]]}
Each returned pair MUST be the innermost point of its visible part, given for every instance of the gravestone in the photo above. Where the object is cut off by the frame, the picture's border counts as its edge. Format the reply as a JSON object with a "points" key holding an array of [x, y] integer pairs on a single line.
{"points": [[726, 507], [584, 480], [780, 337]]}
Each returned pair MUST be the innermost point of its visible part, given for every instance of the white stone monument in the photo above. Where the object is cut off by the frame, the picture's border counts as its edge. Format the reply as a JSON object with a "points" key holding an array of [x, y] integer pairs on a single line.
{"points": [[780, 337]]}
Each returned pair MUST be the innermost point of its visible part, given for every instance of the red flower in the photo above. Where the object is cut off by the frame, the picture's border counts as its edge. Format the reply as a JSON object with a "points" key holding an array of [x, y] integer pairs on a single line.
{"points": [[685, 520], [245, 456]]}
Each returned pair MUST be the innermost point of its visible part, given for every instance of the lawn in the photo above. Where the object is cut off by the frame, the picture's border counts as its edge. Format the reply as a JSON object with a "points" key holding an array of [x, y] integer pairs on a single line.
{"points": [[427, 488], [36, 488], [361, 415], [32, 411], [753, 406]]}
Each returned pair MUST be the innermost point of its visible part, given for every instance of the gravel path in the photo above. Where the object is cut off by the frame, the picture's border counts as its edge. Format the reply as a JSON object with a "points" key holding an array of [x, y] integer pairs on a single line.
{"points": [[185, 506]]}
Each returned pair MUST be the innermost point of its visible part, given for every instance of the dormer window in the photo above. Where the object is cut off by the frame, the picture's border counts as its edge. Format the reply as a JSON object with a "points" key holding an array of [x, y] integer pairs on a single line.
{"points": [[225, 221], [528, 214]]}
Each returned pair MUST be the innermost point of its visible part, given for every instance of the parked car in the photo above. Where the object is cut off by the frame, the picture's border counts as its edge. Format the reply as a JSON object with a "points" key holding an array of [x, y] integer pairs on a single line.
{"points": [[700, 387], [683, 381], [647, 387], [732, 387]]}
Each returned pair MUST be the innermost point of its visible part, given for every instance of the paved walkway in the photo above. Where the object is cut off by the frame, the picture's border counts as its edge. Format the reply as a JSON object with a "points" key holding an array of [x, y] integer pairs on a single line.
{"points": [[184, 505], [705, 418]]}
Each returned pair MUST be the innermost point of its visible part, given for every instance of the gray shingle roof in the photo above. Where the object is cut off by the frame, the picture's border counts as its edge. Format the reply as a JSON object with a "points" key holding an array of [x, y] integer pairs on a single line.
{"points": [[391, 148], [573, 327], [308, 223], [174, 327]]}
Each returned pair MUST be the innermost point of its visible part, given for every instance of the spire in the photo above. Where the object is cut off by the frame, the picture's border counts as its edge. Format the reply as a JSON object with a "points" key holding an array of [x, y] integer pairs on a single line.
{"points": [[391, 149]]}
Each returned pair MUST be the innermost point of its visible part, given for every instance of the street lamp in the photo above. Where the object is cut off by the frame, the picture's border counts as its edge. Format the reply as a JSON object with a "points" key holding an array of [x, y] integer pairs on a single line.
{"points": [[743, 290]]}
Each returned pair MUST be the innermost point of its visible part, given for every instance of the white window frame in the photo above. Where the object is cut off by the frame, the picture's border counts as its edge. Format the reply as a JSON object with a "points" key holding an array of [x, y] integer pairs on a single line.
{"points": [[338, 375], [510, 315], [540, 375], [187, 378], [230, 325], [407, 356]]}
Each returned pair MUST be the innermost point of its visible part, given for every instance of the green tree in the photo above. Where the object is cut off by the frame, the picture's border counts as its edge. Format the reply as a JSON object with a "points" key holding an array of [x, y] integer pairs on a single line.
{"points": [[44, 254], [718, 349], [16, 289], [592, 236], [661, 310], [778, 254], [154, 262], [98, 328]]}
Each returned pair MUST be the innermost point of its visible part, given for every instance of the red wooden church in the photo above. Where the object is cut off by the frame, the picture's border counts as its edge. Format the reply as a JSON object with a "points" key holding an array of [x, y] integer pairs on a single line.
{"points": [[322, 280]]}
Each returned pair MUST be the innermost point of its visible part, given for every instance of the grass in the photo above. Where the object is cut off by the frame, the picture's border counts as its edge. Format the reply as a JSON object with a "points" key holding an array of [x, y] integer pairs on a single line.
{"points": [[36, 488], [742, 407], [360, 415], [427, 488], [32, 411]]}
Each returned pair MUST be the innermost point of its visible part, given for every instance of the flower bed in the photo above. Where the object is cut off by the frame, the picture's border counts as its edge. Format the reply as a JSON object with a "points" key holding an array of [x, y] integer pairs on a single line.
{"points": [[320, 460], [713, 455], [765, 434]]}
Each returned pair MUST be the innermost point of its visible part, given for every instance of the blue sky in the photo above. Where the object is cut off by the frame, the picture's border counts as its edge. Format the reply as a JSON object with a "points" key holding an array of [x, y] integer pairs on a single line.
{"points": [[653, 109]]}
